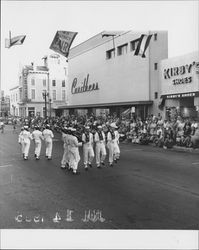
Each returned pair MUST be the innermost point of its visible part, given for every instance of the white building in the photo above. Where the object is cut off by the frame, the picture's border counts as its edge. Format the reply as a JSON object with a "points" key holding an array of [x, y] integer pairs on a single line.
{"points": [[179, 81], [105, 75], [35, 80], [14, 101]]}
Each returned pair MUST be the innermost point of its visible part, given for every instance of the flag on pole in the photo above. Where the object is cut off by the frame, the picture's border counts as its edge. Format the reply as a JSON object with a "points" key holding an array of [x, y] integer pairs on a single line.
{"points": [[62, 42], [17, 40], [143, 44]]}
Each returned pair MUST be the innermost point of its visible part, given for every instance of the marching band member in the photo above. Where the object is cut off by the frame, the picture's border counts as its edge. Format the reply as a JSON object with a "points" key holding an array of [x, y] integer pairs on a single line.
{"points": [[74, 151], [21, 141], [26, 137], [116, 146], [100, 149], [48, 136], [65, 138], [112, 144], [37, 137], [88, 153]]}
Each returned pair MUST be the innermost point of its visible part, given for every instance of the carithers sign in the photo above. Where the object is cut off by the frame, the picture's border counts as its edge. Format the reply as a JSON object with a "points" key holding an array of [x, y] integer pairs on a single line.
{"points": [[84, 86]]}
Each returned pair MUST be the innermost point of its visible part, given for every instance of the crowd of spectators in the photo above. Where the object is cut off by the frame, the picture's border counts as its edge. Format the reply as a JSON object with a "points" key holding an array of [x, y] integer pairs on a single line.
{"points": [[153, 130]]}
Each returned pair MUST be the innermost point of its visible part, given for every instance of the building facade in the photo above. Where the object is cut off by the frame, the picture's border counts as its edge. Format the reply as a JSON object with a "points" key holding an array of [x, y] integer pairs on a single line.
{"points": [[42, 88], [179, 80], [14, 101], [105, 76], [5, 104]]}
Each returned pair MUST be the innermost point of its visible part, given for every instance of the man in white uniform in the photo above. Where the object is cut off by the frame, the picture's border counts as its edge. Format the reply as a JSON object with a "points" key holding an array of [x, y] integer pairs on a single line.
{"points": [[112, 144], [48, 138], [21, 141], [26, 137], [100, 149], [37, 137], [74, 151], [65, 138], [88, 153]]}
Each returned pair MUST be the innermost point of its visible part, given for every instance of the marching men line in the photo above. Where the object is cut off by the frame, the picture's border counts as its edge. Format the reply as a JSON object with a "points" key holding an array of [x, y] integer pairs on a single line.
{"points": [[71, 144]]}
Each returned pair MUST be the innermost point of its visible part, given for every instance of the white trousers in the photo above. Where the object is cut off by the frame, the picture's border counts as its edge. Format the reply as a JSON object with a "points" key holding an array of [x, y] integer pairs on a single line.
{"points": [[74, 158], [88, 154], [49, 146], [26, 148], [37, 147], [65, 158], [100, 151]]}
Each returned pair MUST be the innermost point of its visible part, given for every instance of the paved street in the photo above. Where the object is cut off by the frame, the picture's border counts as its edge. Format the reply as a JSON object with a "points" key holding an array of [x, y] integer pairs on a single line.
{"points": [[150, 188]]}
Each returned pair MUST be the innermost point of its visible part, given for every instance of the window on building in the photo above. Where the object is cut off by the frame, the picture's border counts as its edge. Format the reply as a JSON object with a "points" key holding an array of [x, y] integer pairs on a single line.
{"points": [[54, 95], [156, 95], [110, 54], [121, 50], [53, 83], [33, 94], [31, 111], [63, 83], [155, 66], [63, 95], [155, 37], [134, 44], [33, 82], [44, 82]]}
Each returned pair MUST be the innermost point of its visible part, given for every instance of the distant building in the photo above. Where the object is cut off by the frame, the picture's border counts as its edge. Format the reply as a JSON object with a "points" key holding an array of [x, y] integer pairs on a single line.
{"points": [[34, 81], [106, 76], [14, 101], [5, 105]]}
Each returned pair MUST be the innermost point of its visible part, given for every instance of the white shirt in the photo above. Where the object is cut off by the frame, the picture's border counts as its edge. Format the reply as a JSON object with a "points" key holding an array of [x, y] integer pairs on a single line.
{"points": [[37, 135], [48, 135]]}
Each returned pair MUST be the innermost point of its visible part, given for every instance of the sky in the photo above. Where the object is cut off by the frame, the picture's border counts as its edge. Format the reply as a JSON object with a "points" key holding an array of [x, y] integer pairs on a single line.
{"points": [[39, 21]]}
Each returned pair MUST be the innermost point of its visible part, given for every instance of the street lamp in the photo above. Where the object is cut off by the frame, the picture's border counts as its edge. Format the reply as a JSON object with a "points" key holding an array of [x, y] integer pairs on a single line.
{"points": [[45, 94]]}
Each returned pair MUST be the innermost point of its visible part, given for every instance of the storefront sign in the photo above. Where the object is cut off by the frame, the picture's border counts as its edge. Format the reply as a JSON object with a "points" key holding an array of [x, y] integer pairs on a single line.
{"points": [[84, 86], [178, 71], [181, 95]]}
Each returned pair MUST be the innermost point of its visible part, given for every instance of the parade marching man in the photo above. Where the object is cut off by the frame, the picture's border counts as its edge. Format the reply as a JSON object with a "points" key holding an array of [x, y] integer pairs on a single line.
{"points": [[48, 138], [21, 141], [26, 138], [100, 149], [37, 137], [65, 138], [88, 152], [112, 144], [74, 151]]}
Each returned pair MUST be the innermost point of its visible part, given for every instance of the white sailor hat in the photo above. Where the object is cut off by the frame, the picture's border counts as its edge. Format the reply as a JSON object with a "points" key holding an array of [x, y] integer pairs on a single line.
{"points": [[113, 125], [25, 127], [99, 126], [73, 129], [87, 127]]}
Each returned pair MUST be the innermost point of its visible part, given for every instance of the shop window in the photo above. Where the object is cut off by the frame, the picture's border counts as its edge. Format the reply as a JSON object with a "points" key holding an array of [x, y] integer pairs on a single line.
{"points": [[53, 83], [155, 37], [63, 83], [156, 95], [134, 44], [155, 66], [121, 50], [110, 54]]}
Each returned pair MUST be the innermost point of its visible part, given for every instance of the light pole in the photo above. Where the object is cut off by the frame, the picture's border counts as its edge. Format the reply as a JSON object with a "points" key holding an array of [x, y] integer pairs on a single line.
{"points": [[45, 94]]}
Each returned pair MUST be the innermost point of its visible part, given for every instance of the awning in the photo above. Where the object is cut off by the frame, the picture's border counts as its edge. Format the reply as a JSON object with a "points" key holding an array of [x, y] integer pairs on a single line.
{"points": [[106, 105]]}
